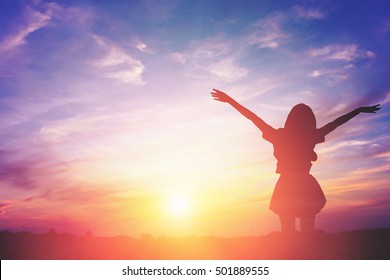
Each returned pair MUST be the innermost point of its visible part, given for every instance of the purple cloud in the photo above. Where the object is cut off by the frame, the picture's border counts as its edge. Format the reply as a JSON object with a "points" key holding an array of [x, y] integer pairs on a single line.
{"points": [[3, 206], [16, 173]]}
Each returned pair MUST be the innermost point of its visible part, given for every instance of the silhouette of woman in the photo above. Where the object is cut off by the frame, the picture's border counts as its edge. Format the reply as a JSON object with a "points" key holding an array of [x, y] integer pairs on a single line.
{"points": [[297, 193]]}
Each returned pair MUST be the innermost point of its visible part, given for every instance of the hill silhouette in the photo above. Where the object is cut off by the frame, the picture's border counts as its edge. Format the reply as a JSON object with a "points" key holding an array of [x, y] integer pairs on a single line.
{"points": [[362, 244]]}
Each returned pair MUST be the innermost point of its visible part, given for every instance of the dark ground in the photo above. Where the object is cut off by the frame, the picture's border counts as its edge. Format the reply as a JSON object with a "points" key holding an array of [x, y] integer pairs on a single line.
{"points": [[352, 245]]}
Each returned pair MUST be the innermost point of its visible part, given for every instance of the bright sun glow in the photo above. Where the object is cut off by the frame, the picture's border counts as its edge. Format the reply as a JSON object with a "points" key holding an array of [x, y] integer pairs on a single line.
{"points": [[178, 205]]}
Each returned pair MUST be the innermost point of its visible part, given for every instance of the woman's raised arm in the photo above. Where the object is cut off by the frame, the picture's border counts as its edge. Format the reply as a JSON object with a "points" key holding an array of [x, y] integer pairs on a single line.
{"points": [[343, 119], [223, 97]]}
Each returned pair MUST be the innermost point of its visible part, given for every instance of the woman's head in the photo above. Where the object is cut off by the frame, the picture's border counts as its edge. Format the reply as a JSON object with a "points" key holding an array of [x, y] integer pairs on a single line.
{"points": [[301, 118]]}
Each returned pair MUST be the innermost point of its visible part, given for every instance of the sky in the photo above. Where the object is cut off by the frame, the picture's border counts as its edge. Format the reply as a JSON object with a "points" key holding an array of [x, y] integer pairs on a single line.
{"points": [[107, 124]]}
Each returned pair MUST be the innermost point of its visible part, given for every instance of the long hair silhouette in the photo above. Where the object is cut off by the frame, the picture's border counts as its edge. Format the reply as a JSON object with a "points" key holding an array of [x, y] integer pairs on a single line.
{"points": [[297, 193], [301, 118]]}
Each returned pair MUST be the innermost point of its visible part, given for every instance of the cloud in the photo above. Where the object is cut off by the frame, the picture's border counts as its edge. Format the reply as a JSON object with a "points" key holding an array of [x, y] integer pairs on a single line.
{"points": [[141, 46], [336, 62], [118, 64], [219, 56], [331, 75], [214, 56], [38, 16], [17, 173], [376, 95], [270, 31], [3, 206], [179, 57], [308, 13], [384, 29], [226, 70], [76, 195], [70, 15], [29, 169], [60, 131], [267, 32], [87, 125], [340, 52], [32, 20]]}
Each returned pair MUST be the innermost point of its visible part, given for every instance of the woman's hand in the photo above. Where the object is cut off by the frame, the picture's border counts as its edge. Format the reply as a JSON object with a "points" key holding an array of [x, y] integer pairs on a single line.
{"points": [[221, 96], [369, 109]]}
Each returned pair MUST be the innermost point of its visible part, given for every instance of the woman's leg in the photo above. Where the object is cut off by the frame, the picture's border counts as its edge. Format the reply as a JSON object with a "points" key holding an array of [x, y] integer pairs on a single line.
{"points": [[307, 223], [287, 223]]}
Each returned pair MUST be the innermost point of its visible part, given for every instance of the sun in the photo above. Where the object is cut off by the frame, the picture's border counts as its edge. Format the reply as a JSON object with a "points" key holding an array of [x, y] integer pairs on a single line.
{"points": [[178, 205]]}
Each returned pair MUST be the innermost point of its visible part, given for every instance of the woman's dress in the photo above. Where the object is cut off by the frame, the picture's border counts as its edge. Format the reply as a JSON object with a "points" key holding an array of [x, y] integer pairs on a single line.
{"points": [[297, 193]]}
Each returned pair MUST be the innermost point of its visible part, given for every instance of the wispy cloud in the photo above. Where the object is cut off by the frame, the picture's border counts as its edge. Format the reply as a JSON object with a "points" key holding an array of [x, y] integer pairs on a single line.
{"points": [[118, 64], [32, 21], [179, 57], [272, 30], [308, 13], [375, 95], [331, 75], [29, 169], [384, 28], [268, 32], [3, 206], [17, 173], [80, 195], [70, 14], [38, 16], [141, 46], [226, 70], [219, 56], [336, 63], [341, 52], [63, 130], [215, 56]]}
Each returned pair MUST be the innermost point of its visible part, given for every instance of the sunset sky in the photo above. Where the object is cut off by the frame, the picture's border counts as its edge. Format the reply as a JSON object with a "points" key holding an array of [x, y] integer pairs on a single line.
{"points": [[107, 123]]}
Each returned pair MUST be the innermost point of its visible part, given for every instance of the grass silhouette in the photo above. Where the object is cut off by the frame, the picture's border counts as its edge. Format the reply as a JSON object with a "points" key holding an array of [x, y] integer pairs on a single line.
{"points": [[362, 244]]}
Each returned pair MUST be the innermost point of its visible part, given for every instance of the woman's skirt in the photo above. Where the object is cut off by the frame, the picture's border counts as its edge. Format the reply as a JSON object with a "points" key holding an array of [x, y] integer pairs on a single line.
{"points": [[297, 195]]}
